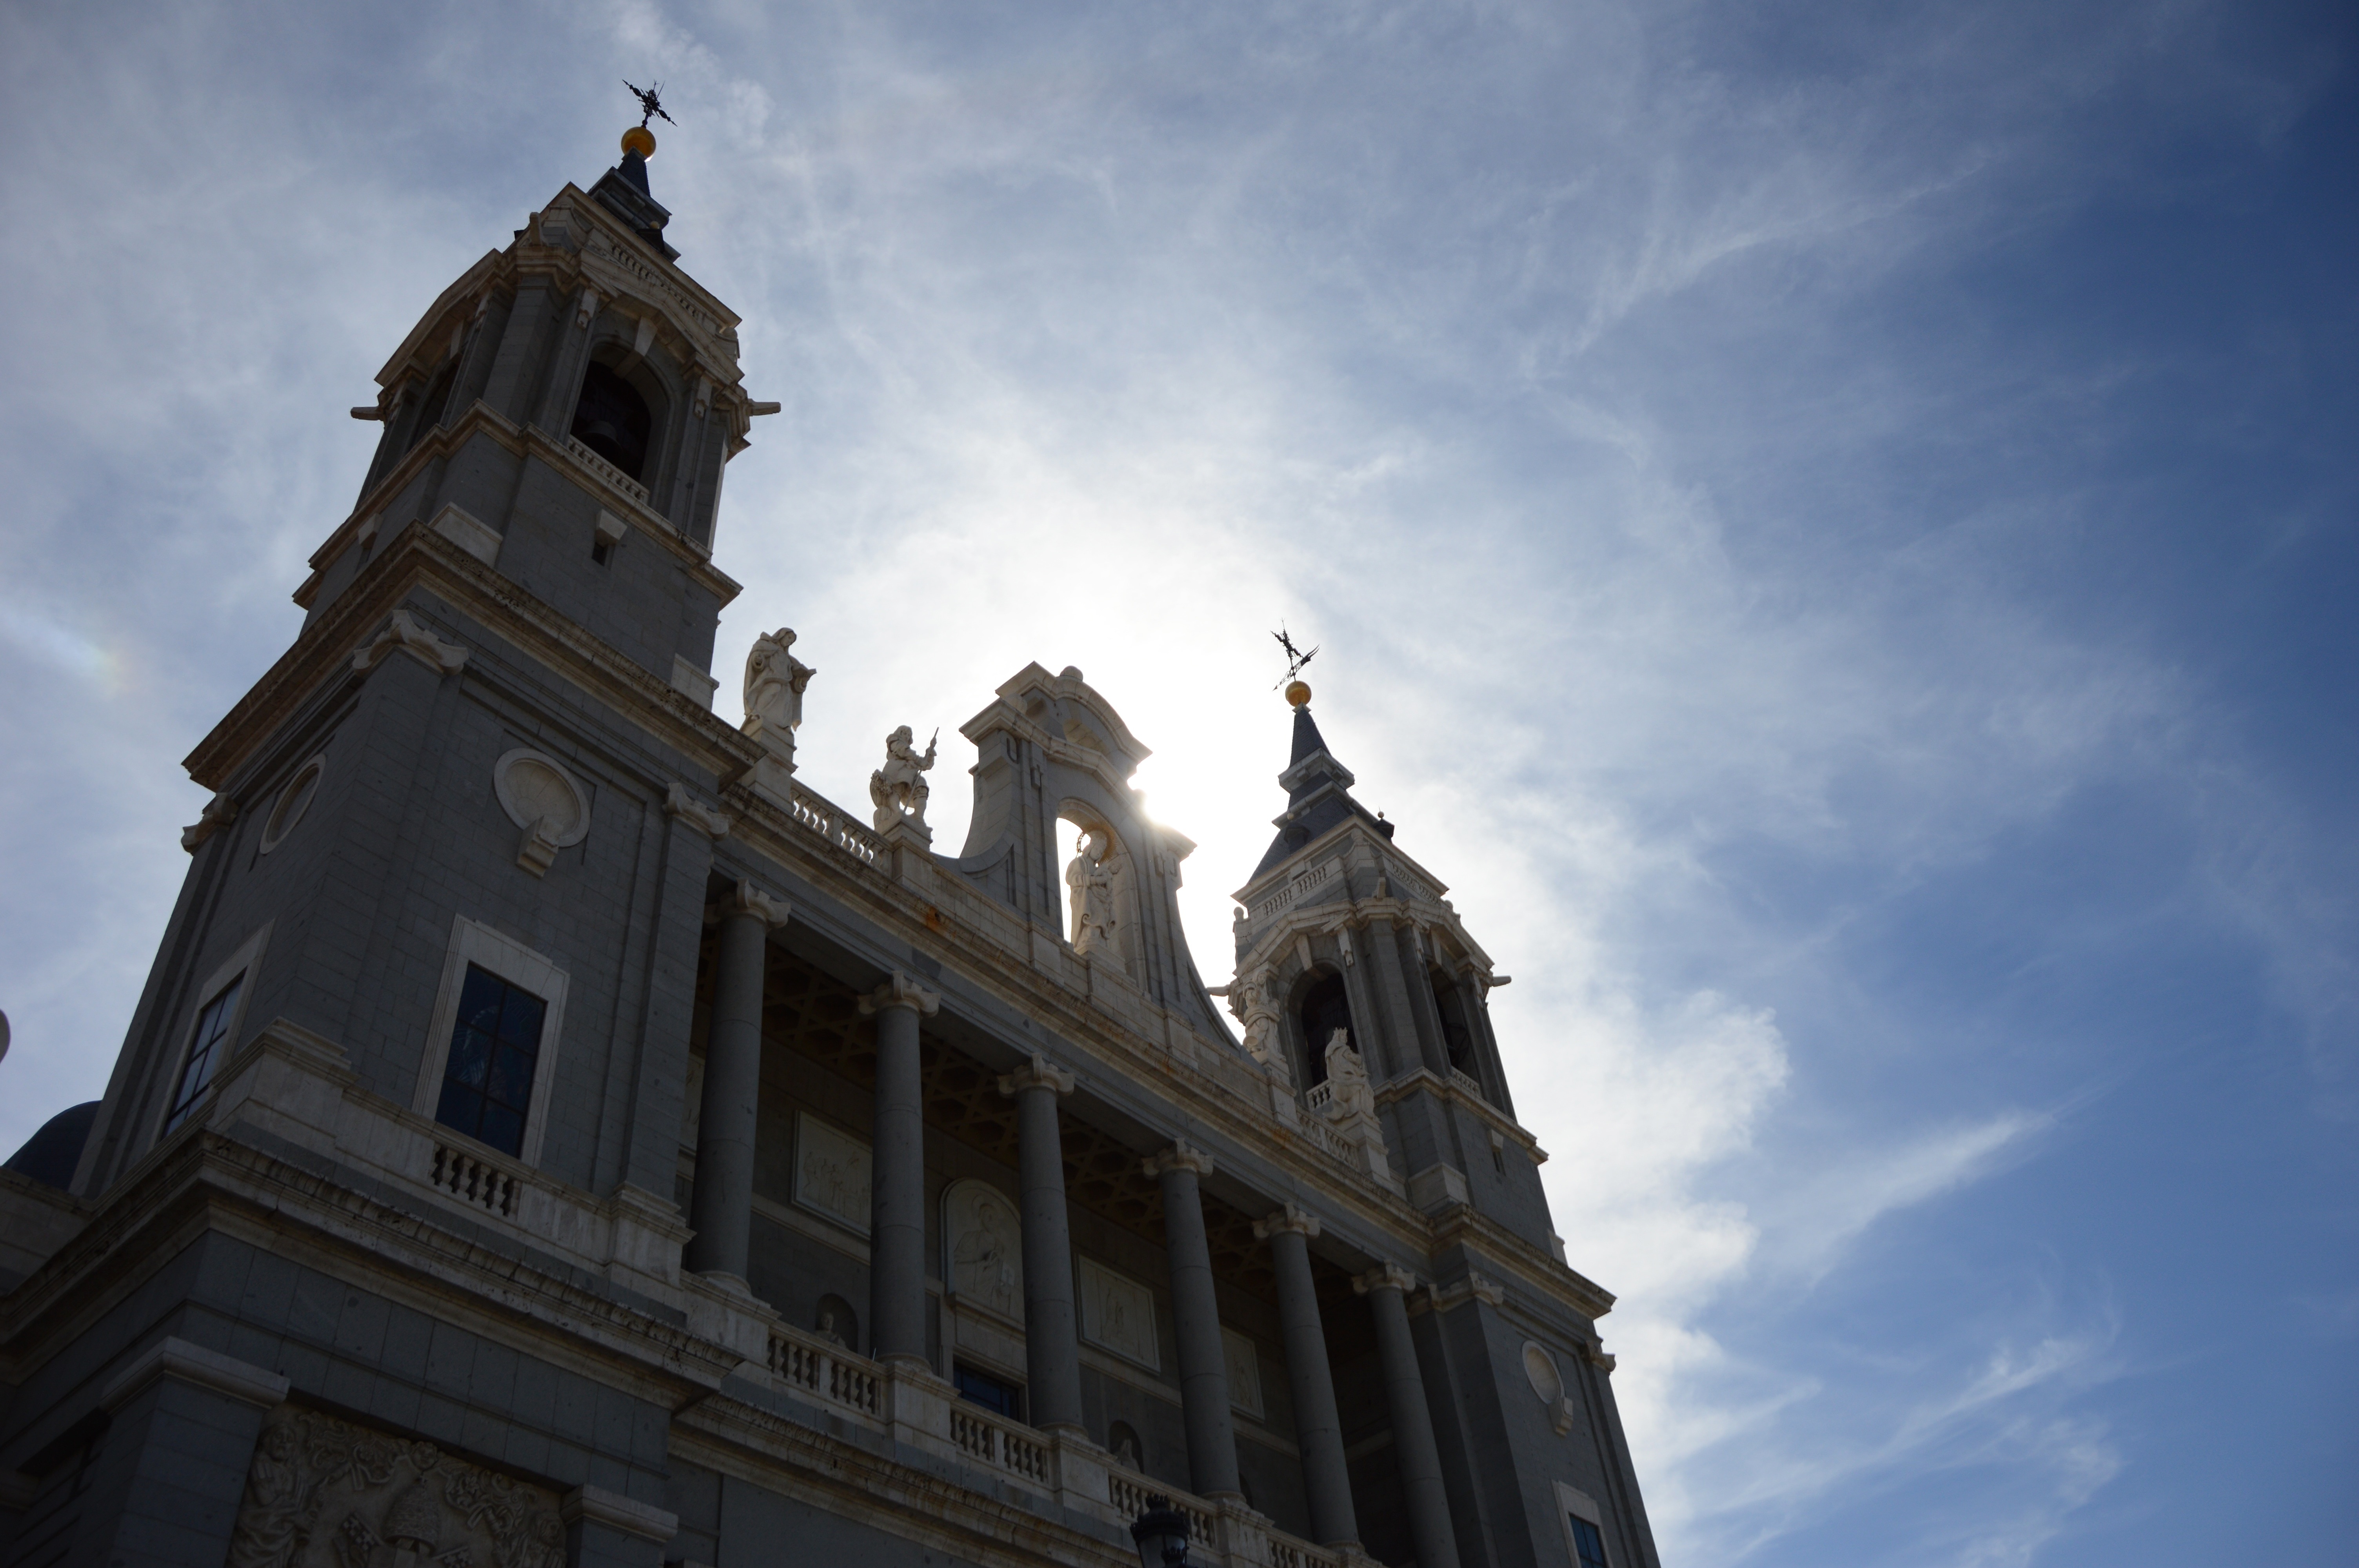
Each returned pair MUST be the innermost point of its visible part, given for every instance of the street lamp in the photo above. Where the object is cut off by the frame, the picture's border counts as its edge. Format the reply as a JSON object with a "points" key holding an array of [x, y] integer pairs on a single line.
{"points": [[1161, 1533]]}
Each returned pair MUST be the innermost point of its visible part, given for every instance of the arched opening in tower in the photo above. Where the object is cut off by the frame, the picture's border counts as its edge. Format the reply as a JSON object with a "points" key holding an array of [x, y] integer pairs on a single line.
{"points": [[1323, 1010], [612, 419], [1456, 1036]]}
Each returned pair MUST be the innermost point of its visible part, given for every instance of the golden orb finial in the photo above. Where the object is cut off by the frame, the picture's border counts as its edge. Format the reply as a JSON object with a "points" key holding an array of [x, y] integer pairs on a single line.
{"points": [[1298, 693], [641, 140]]}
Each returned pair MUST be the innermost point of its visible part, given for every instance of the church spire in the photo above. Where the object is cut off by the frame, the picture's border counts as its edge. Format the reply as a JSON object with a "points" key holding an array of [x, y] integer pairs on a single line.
{"points": [[622, 190], [1317, 787]]}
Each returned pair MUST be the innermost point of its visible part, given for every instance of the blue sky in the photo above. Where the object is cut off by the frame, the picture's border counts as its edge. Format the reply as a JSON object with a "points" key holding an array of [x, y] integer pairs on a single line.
{"points": [[1831, 527]]}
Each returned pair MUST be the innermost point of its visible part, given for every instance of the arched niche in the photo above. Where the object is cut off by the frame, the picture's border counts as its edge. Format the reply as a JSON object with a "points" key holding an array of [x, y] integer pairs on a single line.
{"points": [[1097, 884], [1457, 1028], [1320, 1005], [620, 411]]}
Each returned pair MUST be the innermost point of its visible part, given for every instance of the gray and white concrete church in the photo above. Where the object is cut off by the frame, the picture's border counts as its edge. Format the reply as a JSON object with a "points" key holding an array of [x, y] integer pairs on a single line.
{"points": [[551, 1134]]}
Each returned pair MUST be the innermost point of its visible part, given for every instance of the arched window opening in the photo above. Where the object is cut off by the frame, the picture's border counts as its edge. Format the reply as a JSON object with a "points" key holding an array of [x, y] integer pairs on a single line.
{"points": [[1455, 1032], [430, 407], [1323, 1010], [1094, 888], [612, 419]]}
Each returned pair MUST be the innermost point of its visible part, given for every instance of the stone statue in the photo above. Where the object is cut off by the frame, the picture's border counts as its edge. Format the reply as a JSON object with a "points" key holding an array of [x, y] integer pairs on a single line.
{"points": [[1347, 1078], [1249, 998], [900, 788], [775, 681], [1089, 879], [270, 1519]]}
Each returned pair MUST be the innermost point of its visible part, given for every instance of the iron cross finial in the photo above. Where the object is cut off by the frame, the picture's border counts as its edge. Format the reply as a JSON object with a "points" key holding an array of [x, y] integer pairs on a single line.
{"points": [[650, 105], [1294, 657]]}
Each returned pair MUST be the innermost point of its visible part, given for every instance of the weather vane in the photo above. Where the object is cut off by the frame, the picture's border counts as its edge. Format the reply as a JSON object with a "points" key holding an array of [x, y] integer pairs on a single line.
{"points": [[651, 105], [1295, 659]]}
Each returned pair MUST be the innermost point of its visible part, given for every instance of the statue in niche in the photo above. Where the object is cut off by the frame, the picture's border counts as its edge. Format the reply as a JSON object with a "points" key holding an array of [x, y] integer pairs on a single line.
{"points": [[775, 681], [1347, 1076], [900, 788], [1089, 879]]}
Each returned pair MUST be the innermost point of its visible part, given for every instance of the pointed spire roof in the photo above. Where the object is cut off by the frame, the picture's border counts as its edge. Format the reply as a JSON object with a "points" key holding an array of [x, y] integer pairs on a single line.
{"points": [[622, 190], [1317, 790]]}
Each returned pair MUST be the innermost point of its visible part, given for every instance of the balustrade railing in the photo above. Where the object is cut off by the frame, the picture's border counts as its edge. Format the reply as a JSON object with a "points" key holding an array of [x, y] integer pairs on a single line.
{"points": [[1468, 1082], [1132, 1495], [1000, 1445], [817, 812], [829, 1371], [606, 470], [473, 1181]]}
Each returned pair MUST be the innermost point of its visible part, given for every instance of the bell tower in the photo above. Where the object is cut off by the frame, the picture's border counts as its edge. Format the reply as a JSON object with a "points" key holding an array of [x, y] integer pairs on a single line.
{"points": [[479, 786]]}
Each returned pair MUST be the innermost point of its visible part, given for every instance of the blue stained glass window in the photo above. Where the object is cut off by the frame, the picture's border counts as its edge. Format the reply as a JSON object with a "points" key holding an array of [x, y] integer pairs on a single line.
{"points": [[1587, 1542], [207, 1043], [495, 1047]]}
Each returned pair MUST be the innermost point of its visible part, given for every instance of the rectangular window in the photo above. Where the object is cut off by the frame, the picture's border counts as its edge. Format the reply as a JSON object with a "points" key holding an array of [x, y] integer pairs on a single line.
{"points": [[1587, 1541], [495, 1047], [997, 1394], [207, 1045]]}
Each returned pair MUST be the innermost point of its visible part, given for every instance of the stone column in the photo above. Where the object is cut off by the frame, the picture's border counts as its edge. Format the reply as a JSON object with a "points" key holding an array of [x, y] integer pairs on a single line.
{"points": [[1430, 1529], [1051, 1348], [722, 1210], [1326, 1479], [1203, 1365], [896, 1207]]}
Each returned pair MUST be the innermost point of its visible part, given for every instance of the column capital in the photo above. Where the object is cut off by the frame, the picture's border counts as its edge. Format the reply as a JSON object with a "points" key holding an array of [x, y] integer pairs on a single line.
{"points": [[900, 991], [747, 899], [1385, 1277], [1039, 1073], [1181, 1156], [1291, 1216]]}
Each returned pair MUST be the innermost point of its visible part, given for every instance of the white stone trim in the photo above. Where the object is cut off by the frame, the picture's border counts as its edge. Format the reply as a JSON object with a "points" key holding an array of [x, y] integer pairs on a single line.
{"points": [[273, 830], [190, 1363], [689, 681], [595, 1505], [469, 533], [472, 942], [1570, 1500]]}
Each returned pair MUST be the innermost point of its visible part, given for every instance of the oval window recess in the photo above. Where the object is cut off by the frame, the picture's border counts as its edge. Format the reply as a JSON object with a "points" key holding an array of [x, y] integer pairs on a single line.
{"points": [[533, 788], [1539, 1367], [293, 801]]}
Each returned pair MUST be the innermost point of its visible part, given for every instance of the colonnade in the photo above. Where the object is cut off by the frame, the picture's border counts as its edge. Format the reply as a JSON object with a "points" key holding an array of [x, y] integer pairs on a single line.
{"points": [[723, 1210]]}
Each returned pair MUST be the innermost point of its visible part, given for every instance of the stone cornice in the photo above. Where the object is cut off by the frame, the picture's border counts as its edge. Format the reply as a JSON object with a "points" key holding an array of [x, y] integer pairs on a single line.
{"points": [[1510, 1255], [1421, 1080], [419, 557]]}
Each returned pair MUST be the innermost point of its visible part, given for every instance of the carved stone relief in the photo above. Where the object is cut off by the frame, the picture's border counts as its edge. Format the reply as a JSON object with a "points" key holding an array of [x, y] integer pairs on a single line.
{"points": [[985, 1263], [832, 1170], [1118, 1314], [324, 1493], [1245, 1372], [543, 799]]}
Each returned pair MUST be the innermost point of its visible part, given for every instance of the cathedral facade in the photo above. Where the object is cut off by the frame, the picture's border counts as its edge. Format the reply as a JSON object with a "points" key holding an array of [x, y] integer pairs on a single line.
{"points": [[551, 1134]]}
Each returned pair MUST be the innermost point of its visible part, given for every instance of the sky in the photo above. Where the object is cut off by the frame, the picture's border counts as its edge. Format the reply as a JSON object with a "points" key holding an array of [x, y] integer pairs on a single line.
{"points": [[1829, 526]]}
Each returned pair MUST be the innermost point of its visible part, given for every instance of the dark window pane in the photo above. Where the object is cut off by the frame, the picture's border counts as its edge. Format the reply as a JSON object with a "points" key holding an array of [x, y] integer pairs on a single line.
{"points": [[470, 1057], [478, 1004], [520, 1020], [1587, 1541], [992, 1393], [462, 1108], [487, 1077], [511, 1082], [503, 1129], [204, 1052]]}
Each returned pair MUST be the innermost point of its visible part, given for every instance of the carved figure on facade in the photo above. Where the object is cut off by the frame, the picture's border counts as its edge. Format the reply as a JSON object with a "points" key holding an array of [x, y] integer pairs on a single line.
{"points": [[985, 1263], [324, 1493], [1089, 879], [898, 789], [1347, 1078], [775, 681], [1250, 998]]}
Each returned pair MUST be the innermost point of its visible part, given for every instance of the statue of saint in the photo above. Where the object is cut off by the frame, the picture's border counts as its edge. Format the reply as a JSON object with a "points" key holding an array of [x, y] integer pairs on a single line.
{"points": [[1348, 1076], [1091, 882], [898, 789], [774, 679]]}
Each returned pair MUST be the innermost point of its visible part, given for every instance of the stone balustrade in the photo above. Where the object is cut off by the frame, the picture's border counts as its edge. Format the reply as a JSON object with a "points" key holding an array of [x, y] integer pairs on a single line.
{"points": [[606, 470]]}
